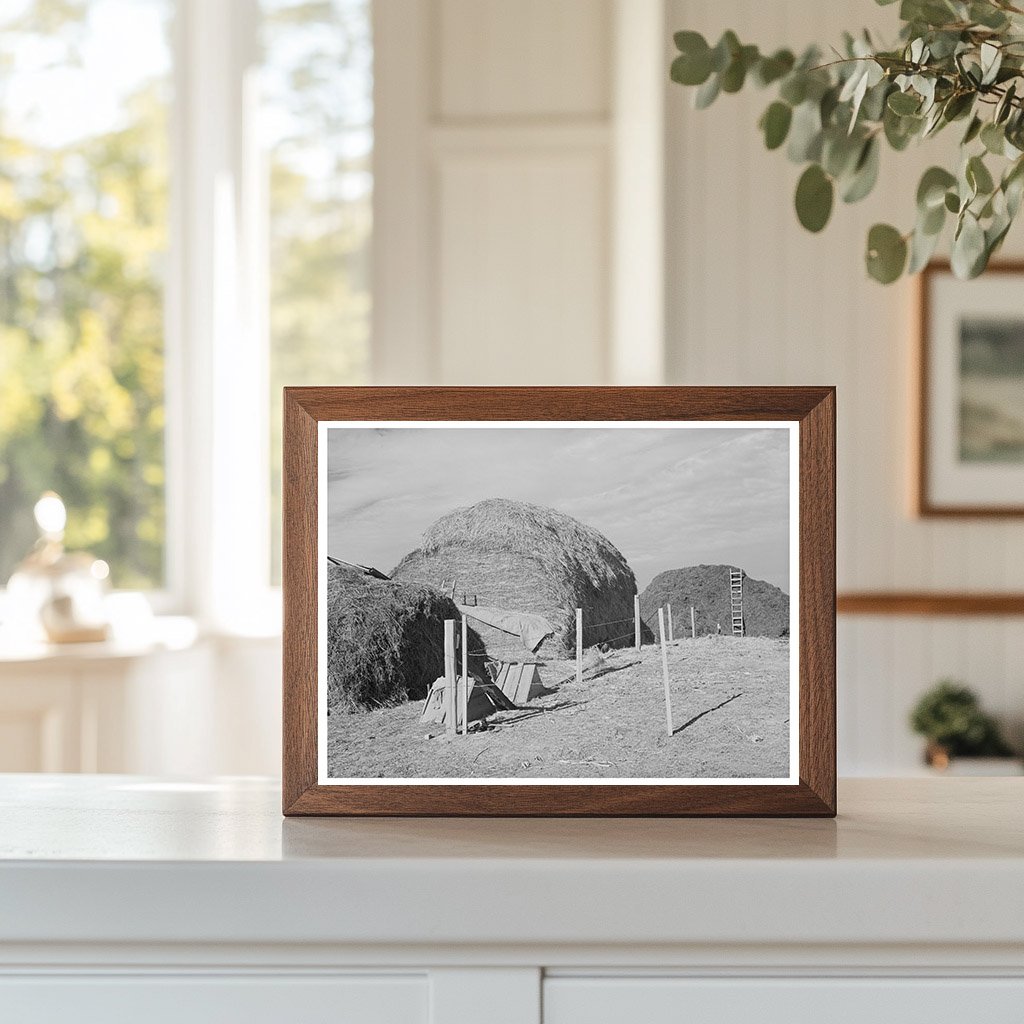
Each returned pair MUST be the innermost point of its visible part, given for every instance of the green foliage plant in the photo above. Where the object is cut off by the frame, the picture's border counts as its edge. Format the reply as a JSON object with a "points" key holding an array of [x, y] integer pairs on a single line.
{"points": [[957, 62], [949, 716]]}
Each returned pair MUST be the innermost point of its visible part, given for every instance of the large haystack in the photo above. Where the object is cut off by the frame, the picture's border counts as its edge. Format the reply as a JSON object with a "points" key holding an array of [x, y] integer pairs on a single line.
{"points": [[527, 558], [385, 640], [706, 588]]}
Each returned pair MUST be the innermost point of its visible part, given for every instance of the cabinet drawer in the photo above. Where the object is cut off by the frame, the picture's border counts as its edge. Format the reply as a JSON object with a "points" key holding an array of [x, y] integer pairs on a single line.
{"points": [[202, 999], [674, 1000]]}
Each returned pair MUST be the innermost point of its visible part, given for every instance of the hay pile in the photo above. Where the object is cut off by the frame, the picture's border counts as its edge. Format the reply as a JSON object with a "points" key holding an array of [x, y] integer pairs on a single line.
{"points": [[524, 557], [706, 587], [385, 640]]}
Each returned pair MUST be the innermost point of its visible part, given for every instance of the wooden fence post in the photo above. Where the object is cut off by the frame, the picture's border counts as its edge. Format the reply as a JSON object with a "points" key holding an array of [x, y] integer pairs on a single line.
{"points": [[671, 632], [693, 628], [449, 677], [464, 693], [664, 670], [636, 620], [579, 645]]}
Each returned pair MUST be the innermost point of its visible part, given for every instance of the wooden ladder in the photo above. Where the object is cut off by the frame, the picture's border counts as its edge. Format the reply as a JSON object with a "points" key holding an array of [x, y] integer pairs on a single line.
{"points": [[736, 600]]}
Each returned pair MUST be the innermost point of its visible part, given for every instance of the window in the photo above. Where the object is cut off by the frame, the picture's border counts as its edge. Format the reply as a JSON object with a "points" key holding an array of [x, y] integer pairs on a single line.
{"points": [[83, 234], [317, 88], [185, 221]]}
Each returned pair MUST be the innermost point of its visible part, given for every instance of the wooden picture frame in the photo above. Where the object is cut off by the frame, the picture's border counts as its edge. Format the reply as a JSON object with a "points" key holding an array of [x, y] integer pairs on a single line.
{"points": [[941, 489], [809, 415]]}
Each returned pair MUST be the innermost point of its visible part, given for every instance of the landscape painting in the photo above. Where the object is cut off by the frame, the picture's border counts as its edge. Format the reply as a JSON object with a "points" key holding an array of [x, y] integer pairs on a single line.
{"points": [[991, 389], [530, 602]]}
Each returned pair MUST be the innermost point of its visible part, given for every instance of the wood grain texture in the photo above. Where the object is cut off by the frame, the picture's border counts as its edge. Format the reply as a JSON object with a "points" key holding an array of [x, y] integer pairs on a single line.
{"points": [[813, 407], [925, 603], [923, 504]]}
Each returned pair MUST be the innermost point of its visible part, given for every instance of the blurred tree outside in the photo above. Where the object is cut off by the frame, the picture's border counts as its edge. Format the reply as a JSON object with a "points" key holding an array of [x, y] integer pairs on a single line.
{"points": [[84, 169], [83, 231], [318, 125]]}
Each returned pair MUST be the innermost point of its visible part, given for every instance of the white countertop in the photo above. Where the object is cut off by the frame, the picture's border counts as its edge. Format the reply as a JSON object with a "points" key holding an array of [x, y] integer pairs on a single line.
{"points": [[120, 859]]}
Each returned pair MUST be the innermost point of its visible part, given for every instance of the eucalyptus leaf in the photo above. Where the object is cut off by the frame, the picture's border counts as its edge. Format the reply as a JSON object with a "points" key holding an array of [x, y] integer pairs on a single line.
{"points": [[805, 133], [724, 51], [814, 196], [968, 248], [978, 176], [991, 60], [735, 74], [771, 69], [1005, 105], [886, 253], [993, 138], [954, 60], [973, 130], [903, 103], [865, 173], [987, 15], [775, 124], [931, 190], [922, 248], [794, 88], [707, 93]]}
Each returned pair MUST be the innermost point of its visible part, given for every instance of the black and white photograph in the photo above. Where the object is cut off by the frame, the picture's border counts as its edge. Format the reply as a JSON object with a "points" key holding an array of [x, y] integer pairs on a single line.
{"points": [[971, 413], [535, 602], [992, 389]]}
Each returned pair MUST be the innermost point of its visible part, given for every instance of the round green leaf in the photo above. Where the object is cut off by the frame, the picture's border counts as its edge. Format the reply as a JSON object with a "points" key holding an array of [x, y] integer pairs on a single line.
{"points": [[968, 256], [887, 253], [865, 173], [952, 202], [770, 69], [693, 65], [775, 123], [922, 248], [973, 130], [932, 189], [707, 93], [993, 138], [903, 103], [805, 133], [814, 194], [978, 176]]}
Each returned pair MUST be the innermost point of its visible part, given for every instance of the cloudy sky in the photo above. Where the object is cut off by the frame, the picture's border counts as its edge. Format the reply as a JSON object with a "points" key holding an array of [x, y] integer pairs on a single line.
{"points": [[665, 497]]}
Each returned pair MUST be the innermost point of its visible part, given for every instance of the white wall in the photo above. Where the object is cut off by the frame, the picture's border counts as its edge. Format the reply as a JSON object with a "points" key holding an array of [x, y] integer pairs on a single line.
{"points": [[500, 159], [754, 299], [519, 239]]}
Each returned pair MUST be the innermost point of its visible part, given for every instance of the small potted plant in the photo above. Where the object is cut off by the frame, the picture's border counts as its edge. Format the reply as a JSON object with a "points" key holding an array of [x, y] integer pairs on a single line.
{"points": [[950, 718]]}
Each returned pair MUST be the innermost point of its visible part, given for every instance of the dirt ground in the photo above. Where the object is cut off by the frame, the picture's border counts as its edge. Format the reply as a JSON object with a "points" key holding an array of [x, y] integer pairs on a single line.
{"points": [[730, 706]]}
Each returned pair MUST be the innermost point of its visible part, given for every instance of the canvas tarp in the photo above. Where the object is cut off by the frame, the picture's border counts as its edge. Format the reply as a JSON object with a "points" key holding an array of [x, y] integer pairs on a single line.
{"points": [[530, 628]]}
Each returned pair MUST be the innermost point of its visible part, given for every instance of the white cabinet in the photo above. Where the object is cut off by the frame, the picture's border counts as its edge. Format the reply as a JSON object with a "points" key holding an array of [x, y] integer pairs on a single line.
{"points": [[200, 999], [127, 899], [830, 1000]]}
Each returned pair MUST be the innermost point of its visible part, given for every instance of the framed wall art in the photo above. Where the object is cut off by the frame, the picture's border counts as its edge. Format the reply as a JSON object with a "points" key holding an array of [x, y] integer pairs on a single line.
{"points": [[970, 444], [559, 601]]}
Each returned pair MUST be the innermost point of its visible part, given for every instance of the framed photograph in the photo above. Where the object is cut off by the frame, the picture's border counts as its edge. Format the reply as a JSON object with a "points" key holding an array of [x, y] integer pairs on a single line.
{"points": [[970, 445], [559, 601]]}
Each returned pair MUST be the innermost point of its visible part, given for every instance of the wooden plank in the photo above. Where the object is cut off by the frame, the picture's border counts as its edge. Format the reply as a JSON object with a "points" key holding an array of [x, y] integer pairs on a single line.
{"points": [[929, 603], [636, 621], [449, 677], [464, 688], [579, 645], [693, 625], [670, 631], [664, 670]]}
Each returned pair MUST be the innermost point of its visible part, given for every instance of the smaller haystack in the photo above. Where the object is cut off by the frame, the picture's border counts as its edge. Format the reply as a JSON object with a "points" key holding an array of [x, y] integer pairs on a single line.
{"points": [[385, 640], [706, 588]]}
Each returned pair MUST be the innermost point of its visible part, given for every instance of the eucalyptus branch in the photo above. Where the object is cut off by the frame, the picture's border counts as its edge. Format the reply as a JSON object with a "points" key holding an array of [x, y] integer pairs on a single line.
{"points": [[955, 59]]}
